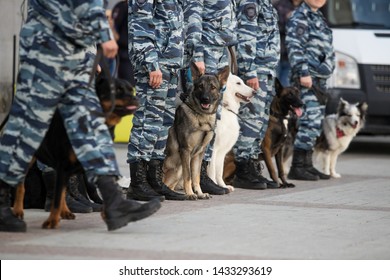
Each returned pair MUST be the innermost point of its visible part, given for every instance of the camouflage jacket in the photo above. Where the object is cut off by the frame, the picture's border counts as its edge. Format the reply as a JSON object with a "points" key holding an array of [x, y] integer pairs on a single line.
{"points": [[82, 23], [209, 23], [156, 33], [309, 43], [258, 49]]}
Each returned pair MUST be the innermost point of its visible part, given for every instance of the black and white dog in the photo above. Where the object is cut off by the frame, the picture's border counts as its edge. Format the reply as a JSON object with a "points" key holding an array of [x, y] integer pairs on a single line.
{"points": [[338, 131]]}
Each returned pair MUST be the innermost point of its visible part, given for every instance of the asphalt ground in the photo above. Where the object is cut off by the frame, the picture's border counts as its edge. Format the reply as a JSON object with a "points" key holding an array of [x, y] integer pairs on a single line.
{"points": [[337, 219]]}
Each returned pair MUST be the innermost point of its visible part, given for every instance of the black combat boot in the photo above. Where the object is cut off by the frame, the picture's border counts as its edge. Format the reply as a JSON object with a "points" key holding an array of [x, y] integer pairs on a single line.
{"points": [[298, 170], [255, 168], [154, 177], [117, 211], [92, 191], [139, 188], [207, 185], [309, 166], [244, 178], [74, 184], [8, 221], [76, 206]]}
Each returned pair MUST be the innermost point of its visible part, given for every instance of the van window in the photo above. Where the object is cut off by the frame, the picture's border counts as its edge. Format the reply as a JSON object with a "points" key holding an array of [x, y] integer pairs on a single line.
{"points": [[358, 13]]}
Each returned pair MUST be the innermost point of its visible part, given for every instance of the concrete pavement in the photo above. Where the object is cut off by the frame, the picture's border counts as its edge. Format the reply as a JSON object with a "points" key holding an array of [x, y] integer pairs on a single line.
{"points": [[347, 218]]}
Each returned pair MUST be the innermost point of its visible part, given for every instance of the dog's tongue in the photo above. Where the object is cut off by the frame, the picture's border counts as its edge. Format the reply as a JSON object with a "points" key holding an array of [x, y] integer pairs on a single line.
{"points": [[298, 112], [205, 106]]}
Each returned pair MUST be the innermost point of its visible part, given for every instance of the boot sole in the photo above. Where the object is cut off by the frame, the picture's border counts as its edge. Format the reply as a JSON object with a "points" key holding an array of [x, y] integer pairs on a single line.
{"points": [[13, 229], [123, 221]]}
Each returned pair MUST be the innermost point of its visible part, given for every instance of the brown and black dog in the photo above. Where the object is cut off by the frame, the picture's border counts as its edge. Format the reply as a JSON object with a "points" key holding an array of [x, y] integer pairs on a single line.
{"points": [[192, 131], [285, 105], [56, 150]]}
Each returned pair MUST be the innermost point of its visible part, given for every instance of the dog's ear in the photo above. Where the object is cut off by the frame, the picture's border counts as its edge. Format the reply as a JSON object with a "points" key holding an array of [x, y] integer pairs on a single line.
{"points": [[278, 87], [195, 73], [223, 75], [342, 104], [363, 106]]}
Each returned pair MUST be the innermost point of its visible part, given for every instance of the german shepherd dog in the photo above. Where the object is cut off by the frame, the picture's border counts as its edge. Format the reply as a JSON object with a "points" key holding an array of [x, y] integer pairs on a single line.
{"points": [[338, 131], [56, 150], [285, 105], [192, 131], [228, 127]]}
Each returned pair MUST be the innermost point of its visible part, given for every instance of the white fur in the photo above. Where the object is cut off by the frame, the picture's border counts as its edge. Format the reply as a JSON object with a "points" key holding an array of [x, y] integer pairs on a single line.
{"points": [[228, 128], [339, 145]]}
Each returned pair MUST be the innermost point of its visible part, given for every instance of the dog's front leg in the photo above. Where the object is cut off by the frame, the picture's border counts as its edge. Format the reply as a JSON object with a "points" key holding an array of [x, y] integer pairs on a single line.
{"points": [[280, 166], [219, 167], [332, 165], [196, 163], [325, 161], [186, 169], [266, 148], [18, 203]]}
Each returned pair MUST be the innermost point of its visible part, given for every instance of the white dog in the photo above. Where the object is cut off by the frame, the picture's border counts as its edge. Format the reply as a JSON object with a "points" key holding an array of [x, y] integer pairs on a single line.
{"points": [[228, 127], [338, 131]]}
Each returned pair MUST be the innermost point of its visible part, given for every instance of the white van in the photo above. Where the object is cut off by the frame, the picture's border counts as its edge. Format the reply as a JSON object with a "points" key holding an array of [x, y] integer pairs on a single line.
{"points": [[361, 37]]}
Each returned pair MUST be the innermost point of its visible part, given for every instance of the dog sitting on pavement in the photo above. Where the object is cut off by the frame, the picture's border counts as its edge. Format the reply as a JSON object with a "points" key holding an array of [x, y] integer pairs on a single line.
{"points": [[338, 131], [228, 128], [192, 131], [285, 105]]}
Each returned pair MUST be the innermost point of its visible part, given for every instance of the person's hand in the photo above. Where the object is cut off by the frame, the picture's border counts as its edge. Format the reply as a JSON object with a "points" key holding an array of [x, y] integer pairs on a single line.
{"points": [[306, 81], [110, 48], [201, 67], [155, 78], [253, 83]]}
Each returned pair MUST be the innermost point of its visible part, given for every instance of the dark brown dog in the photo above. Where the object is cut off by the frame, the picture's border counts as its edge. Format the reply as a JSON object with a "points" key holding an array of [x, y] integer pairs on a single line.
{"points": [[285, 105], [56, 150], [192, 131]]}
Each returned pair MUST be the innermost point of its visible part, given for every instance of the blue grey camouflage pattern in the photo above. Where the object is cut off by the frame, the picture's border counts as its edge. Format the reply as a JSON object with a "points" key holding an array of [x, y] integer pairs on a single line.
{"points": [[54, 73], [156, 41], [258, 52], [210, 27], [309, 43]]}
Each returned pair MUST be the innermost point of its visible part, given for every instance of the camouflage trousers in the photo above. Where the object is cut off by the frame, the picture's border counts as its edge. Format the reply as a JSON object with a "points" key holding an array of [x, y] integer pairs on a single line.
{"points": [[154, 117], [254, 120], [310, 123], [54, 75]]}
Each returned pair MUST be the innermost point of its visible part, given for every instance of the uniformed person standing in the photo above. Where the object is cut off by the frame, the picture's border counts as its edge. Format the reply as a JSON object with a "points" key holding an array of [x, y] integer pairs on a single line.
{"points": [[156, 45], [257, 56], [57, 50], [210, 30], [309, 44]]}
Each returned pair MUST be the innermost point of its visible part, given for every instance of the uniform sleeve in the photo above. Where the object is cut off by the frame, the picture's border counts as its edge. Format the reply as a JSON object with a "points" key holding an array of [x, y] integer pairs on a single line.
{"points": [[193, 15], [142, 34], [296, 38], [247, 30]]}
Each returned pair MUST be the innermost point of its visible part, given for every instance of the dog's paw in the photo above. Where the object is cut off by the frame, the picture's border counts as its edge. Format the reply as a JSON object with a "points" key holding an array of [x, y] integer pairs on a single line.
{"points": [[18, 213], [288, 185], [68, 215], [51, 224], [230, 188], [192, 197], [335, 175], [204, 196]]}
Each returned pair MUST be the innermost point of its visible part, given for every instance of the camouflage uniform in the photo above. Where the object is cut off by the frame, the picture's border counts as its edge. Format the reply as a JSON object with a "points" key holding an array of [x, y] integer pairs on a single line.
{"points": [[156, 41], [310, 51], [257, 56], [56, 60]]}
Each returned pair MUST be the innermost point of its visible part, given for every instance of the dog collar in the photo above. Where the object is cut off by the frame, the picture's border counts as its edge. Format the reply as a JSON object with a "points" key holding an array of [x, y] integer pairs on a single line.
{"points": [[339, 132]]}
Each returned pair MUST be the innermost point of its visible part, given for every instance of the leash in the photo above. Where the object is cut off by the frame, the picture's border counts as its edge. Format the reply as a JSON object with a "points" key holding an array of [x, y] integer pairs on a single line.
{"points": [[106, 70]]}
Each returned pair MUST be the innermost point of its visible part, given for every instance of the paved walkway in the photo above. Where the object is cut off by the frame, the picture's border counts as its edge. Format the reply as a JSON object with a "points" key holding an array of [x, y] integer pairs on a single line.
{"points": [[347, 218]]}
